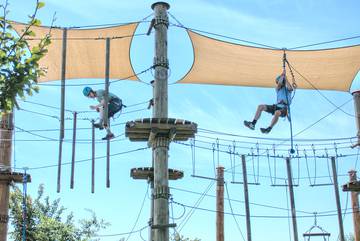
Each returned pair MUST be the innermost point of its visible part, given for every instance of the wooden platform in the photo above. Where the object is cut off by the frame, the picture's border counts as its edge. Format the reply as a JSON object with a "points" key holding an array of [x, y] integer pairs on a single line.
{"points": [[351, 187], [148, 128], [17, 177], [148, 173]]}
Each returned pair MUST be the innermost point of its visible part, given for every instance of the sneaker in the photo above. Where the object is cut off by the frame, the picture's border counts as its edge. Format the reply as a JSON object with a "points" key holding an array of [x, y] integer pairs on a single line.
{"points": [[249, 124], [108, 136], [99, 125], [265, 130]]}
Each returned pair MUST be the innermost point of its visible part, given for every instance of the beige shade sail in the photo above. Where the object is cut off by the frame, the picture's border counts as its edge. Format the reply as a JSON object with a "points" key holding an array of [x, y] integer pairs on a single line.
{"points": [[85, 52], [223, 63]]}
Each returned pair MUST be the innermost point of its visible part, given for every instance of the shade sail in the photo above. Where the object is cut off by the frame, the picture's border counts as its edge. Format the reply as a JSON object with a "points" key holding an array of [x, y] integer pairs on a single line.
{"points": [[85, 52], [223, 63]]}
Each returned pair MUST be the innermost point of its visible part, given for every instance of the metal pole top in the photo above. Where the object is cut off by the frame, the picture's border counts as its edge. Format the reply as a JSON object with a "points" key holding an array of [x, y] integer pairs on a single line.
{"points": [[160, 3]]}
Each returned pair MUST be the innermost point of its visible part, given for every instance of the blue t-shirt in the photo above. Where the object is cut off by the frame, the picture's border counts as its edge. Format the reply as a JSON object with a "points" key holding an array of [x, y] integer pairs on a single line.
{"points": [[283, 96]]}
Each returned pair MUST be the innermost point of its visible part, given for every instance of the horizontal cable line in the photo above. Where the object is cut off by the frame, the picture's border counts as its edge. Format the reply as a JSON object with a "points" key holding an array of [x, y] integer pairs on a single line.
{"points": [[224, 36], [91, 38], [263, 155], [86, 160], [257, 216], [53, 139], [66, 129], [270, 139], [271, 144], [258, 146], [239, 201], [112, 81], [119, 234], [79, 112], [325, 42], [39, 113]]}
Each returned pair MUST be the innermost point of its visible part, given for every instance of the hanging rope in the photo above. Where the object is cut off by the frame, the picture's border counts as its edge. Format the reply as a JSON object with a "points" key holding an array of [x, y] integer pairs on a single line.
{"points": [[24, 205], [292, 151]]}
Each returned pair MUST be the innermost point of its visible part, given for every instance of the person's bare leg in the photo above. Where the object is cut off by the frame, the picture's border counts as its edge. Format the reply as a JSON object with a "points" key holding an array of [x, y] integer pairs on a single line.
{"points": [[260, 109], [275, 118]]}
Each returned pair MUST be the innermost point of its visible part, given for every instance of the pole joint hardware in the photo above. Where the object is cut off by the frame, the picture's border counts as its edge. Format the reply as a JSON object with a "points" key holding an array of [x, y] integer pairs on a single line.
{"points": [[161, 20], [161, 192], [162, 62]]}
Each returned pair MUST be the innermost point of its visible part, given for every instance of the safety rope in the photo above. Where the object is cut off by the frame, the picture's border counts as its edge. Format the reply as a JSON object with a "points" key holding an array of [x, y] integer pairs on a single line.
{"points": [[292, 151]]}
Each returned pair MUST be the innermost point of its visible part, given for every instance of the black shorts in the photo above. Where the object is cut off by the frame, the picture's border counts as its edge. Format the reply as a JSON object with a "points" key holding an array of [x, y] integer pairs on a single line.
{"points": [[115, 105], [272, 108]]}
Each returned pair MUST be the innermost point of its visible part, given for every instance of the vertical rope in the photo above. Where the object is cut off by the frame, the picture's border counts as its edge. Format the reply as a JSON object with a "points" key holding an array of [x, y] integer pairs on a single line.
{"points": [[24, 205], [73, 152], [92, 157], [62, 111], [292, 151]]}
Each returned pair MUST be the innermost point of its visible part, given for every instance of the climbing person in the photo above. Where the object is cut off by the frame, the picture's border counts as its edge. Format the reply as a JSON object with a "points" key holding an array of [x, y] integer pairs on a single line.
{"points": [[280, 109], [114, 105]]}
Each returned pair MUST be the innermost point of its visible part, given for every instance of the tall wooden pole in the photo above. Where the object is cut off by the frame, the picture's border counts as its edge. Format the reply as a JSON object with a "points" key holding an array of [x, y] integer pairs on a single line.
{"points": [[62, 111], [292, 198], [337, 197], [6, 132], [220, 204], [246, 196], [161, 143], [356, 96], [355, 207]]}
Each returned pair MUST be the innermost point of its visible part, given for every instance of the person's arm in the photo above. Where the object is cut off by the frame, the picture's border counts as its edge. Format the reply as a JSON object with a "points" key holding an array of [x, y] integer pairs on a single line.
{"points": [[288, 85]]}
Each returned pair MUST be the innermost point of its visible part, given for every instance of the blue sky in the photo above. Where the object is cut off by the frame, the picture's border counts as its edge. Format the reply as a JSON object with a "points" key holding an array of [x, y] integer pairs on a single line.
{"points": [[219, 108]]}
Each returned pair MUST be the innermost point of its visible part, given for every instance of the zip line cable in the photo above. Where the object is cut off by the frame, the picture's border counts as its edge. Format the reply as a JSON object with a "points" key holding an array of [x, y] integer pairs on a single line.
{"points": [[86, 160], [140, 211], [239, 201], [232, 213], [197, 203], [101, 83], [120, 234], [324, 96], [180, 25], [325, 42], [256, 216]]}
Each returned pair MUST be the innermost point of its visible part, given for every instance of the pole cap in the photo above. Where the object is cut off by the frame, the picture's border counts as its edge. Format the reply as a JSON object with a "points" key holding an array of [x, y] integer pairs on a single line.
{"points": [[355, 92], [161, 3]]}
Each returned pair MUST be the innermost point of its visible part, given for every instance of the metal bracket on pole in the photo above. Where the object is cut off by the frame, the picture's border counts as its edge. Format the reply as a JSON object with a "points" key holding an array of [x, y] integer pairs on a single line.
{"points": [[162, 62], [160, 226], [152, 136], [172, 134], [152, 23], [161, 192]]}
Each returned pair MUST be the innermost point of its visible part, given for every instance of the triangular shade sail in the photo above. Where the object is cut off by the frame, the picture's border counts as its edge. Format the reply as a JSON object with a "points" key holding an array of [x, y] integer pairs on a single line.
{"points": [[223, 63], [85, 52]]}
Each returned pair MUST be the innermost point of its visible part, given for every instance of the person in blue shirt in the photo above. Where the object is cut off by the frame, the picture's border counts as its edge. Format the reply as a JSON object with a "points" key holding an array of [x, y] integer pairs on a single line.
{"points": [[280, 109], [114, 105]]}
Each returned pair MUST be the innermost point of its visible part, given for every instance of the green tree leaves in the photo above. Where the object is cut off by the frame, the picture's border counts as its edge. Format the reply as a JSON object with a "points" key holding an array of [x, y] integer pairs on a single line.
{"points": [[45, 220], [19, 66]]}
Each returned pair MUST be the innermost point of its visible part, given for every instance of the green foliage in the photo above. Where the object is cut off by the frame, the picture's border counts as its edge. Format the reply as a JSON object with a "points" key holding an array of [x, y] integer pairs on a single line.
{"points": [[19, 66], [44, 220], [179, 237]]}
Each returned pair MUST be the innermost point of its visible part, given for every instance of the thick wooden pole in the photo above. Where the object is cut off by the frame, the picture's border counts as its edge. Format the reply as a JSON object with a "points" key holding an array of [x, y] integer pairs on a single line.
{"points": [[356, 96], [337, 197], [355, 207], [220, 204], [246, 196], [6, 130], [292, 198], [161, 144]]}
